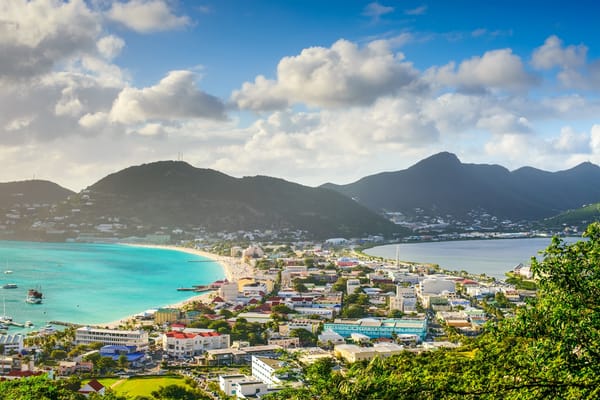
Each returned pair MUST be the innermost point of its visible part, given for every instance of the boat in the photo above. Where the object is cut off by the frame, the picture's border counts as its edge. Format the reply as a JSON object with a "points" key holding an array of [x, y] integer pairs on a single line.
{"points": [[28, 324], [8, 271], [5, 319], [34, 296], [9, 286]]}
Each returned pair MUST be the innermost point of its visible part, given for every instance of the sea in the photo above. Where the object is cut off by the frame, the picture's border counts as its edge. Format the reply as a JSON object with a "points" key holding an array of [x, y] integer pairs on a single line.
{"points": [[95, 283], [491, 257]]}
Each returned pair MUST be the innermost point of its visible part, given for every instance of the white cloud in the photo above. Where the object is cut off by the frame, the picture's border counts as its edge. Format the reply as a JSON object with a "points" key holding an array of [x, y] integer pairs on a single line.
{"points": [[175, 97], [146, 16], [110, 46], [376, 10], [339, 76], [570, 141], [552, 54], [496, 69], [36, 35]]}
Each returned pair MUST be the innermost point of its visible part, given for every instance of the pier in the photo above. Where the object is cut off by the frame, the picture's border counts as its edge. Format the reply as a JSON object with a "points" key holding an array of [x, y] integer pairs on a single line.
{"points": [[63, 323]]}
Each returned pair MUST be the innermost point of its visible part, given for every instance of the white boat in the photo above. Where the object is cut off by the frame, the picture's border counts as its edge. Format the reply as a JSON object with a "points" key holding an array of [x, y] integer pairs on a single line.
{"points": [[8, 271], [9, 286], [28, 324], [5, 318]]}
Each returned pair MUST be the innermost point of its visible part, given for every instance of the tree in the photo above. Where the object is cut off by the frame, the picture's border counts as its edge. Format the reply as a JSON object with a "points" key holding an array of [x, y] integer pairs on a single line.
{"points": [[58, 354], [122, 361]]}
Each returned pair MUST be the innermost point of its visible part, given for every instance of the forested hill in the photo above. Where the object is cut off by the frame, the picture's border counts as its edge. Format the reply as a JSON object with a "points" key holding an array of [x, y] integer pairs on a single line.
{"points": [[442, 184], [175, 193], [31, 192]]}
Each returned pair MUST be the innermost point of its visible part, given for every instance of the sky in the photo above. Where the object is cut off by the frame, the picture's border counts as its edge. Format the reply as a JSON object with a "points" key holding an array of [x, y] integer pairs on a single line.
{"points": [[310, 91]]}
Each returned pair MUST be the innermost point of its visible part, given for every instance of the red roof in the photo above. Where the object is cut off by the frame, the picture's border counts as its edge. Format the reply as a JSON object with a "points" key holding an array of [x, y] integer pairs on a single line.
{"points": [[181, 335], [94, 384], [253, 301], [218, 300]]}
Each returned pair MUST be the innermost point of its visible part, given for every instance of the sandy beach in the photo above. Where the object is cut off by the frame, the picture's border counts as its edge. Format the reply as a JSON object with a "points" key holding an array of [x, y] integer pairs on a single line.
{"points": [[234, 269]]}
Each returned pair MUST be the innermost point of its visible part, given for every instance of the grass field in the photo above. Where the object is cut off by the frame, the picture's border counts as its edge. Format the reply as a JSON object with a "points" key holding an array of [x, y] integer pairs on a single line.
{"points": [[140, 386]]}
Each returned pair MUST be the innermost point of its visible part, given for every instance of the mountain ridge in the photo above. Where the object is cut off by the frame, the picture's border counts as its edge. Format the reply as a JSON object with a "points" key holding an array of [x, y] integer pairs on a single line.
{"points": [[443, 184]]}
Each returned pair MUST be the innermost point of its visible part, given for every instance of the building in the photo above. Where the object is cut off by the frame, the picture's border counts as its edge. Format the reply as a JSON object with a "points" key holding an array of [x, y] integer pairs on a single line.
{"points": [[189, 344], [329, 337], [352, 353], [241, 386], [134, 358], [285, 342], [88, 335], [92, 386], [12, 344], [266, 370], [379, 327], [166, 315], [229, 291], [352, 285], [240, 356]]}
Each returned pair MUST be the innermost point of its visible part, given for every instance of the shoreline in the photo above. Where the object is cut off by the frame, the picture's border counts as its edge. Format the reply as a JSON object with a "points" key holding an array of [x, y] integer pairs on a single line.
{"points": [[233, 268]]}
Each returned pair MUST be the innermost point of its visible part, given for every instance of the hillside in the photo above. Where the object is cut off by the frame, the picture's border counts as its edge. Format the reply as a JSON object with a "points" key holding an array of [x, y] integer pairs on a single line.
{"points": [[579, 217], [31, 192], [442, 184], [171, 193]]}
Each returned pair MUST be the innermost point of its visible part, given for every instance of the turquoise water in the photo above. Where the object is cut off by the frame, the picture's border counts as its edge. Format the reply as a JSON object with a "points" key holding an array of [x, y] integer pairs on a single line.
{"points": [[490, 257], [95, 283]]}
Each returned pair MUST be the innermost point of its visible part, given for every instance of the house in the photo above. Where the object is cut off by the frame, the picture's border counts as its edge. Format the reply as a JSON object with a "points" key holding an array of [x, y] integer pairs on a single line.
{"points": [[92, 386]]}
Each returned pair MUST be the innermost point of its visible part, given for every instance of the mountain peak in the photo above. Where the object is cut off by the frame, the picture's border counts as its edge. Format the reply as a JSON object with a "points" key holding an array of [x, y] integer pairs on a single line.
{"points": [[439, 160]]}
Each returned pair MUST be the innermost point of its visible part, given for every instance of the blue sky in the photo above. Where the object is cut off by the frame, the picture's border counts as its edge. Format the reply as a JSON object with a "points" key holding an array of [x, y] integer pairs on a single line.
{"points": [[309, 91]]}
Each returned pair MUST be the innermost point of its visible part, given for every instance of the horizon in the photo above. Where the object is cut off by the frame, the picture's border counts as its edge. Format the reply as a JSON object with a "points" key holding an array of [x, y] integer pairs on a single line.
{"points": [[311, 93]]}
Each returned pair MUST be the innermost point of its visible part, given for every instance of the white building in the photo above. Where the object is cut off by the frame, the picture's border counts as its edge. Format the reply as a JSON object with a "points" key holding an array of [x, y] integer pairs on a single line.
{"points": [[352, 353], [88, 335], [188, 344], [229, 291], [265, 370], [241, 386], [352, 285], [11, 343], [332, 337], [436, 286]]}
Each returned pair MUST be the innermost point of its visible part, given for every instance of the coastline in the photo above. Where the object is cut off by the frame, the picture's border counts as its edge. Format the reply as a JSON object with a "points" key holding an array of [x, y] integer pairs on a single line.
{"points": [[234, 269]]}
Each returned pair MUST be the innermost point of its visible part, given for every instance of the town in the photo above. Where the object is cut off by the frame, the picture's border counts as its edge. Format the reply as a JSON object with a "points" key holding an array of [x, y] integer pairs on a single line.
{"points": [[284, 307]]}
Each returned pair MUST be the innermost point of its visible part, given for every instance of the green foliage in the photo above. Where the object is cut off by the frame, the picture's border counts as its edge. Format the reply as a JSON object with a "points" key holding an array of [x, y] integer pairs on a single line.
{"points": [[38, 388], [176, 392]]}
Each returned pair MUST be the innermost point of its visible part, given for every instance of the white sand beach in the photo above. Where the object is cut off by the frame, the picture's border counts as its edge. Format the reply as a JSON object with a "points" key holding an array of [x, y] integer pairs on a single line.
{"points": [[234, 269]]}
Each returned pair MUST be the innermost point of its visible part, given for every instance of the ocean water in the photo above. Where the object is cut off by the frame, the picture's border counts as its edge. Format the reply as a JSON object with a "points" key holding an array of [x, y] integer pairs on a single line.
{"points": [[491, 257], [95, 283]]}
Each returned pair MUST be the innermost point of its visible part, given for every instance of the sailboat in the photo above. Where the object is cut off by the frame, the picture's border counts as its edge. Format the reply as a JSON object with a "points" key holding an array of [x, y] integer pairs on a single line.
{"points": [[5, 318]]}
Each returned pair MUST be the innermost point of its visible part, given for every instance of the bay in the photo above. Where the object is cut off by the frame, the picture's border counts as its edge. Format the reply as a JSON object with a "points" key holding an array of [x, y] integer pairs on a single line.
{"points": [[95, 283], [491, 257]]}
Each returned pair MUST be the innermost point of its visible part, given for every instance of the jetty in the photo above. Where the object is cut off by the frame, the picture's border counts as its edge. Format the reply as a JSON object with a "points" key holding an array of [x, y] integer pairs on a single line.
{"points": [[64, 323]]}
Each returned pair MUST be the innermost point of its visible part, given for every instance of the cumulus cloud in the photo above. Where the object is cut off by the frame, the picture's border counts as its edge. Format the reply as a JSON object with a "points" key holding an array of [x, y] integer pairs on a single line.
{"points": [[175, 96], [146, 16], [342, 75], [569, 141], [35, 35], [552, 54], [110, 46], [496, 69]]}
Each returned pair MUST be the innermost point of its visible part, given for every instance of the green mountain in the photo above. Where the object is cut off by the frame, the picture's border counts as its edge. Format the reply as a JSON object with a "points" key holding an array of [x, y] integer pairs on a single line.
{"points": [[579, 217], [441, 185], [31, 192], [171, 193]]}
